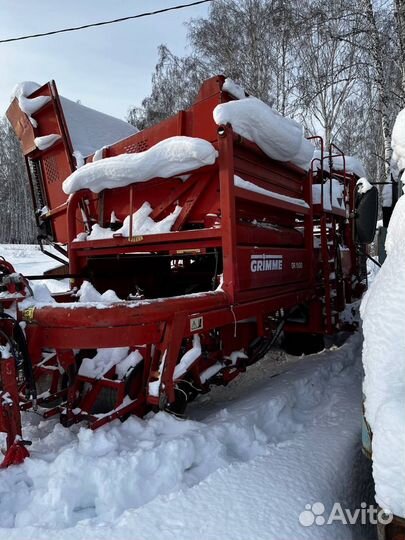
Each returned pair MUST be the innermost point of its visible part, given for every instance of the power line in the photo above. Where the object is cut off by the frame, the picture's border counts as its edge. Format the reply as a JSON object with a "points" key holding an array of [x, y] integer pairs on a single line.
{"points": [[102, 23]]}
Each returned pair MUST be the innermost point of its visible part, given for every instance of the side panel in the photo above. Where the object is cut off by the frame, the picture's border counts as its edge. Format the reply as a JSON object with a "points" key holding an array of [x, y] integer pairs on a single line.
{"points": [[267, 267]]}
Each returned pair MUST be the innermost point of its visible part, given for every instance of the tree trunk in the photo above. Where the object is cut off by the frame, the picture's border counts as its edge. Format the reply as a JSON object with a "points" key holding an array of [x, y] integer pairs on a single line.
{"points": [[380, 82], [400, 18]]}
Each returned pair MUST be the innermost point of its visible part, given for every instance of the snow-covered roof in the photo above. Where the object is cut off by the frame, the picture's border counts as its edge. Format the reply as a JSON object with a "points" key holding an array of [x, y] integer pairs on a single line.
{"points": [[90, 130]]}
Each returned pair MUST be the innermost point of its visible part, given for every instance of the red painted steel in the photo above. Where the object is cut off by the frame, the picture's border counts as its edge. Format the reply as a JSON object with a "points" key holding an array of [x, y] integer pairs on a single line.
{"points": [[235, 263]]}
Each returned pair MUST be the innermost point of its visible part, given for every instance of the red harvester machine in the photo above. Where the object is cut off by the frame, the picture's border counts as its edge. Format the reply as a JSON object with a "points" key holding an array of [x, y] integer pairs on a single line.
{"points": [[236, 268]]}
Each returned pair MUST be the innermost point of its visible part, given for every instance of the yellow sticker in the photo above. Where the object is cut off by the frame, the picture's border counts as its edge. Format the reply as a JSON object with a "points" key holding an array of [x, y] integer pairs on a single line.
{"points": [[28, 314]]}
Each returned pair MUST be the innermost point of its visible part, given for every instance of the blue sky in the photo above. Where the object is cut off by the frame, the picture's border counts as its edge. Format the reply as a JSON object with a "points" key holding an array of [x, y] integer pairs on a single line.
{"points": [[107, 68]]}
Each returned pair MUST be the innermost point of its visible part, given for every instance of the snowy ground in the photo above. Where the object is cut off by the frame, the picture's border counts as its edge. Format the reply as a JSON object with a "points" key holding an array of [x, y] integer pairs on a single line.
{"points": [[30, 261], [28, 258], [243, 465]]}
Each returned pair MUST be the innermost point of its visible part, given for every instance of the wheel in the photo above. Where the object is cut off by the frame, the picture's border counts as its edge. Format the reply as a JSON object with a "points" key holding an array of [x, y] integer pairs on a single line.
{"points": [[107, 398]]}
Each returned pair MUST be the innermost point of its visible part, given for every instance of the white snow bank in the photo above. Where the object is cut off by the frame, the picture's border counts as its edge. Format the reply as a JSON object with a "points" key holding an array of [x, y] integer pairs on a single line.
{"points": [[363, 185], [234, 89], [121, 357], [29, 105], [382, 311], [168, 158], [245, 184], [88, 293], [329, 202], [188, 358], [142, 223], [46, 141], [90, 130], [398, 156], [398, 141], [28, 258], [257, 455], [280, 138], [352, 164]]}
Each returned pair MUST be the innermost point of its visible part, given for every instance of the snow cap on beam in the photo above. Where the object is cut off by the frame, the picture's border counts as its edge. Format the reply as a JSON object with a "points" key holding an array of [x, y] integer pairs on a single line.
{"points": [[168, 158]]}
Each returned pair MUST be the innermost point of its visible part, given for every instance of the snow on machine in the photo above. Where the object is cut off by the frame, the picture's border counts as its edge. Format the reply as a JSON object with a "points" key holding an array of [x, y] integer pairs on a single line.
{"points": [[191, 244]]}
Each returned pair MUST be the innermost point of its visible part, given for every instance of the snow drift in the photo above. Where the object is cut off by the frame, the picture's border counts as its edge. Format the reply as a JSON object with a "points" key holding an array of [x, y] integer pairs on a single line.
{"points": [[168, 158], [280, 138], [382, 311], [101, 481], [142, 223], [234, 89], [288, 441], [398, 141]]}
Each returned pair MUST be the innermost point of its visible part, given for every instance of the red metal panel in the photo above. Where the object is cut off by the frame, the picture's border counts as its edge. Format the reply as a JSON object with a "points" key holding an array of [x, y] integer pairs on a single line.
{"points": [[270, 200], [262, 244], [93, 338], [263, 267], [22, 127], [252, 164], [228, 222], [56, 162], [267, 236], [10, 418], [122, 314]]}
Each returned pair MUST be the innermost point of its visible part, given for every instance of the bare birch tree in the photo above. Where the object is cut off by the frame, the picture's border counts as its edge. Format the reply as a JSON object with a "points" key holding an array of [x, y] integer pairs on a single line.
{"points": [[329, 69], [400, 20], [17, 223], [380, 79]]}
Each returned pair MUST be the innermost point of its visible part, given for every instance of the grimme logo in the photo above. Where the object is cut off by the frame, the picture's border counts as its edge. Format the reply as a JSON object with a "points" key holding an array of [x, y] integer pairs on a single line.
{"points": [[264, 263], [315, 515]]}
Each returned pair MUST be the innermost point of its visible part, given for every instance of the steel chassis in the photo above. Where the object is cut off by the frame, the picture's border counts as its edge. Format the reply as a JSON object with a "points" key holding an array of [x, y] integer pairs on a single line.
{"points": [[240, 313]]}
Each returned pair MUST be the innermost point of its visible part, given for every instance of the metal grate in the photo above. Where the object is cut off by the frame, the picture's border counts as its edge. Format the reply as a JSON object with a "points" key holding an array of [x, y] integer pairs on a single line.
{"points": [[134, 148], [51, 170]]}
